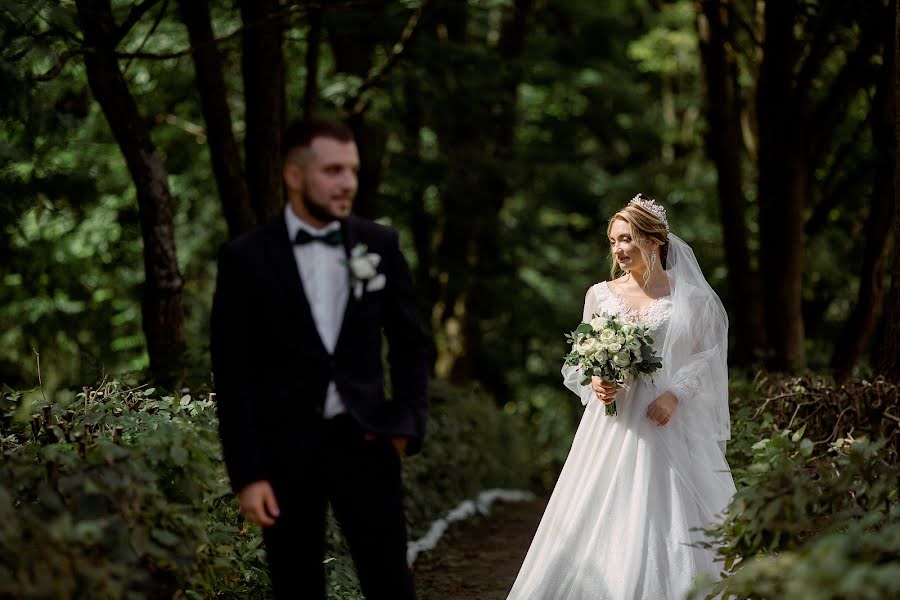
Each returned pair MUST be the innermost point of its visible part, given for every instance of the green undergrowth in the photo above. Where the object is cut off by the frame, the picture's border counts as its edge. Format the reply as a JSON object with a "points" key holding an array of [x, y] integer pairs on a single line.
{"points": [[816, 514], [121, 492]]}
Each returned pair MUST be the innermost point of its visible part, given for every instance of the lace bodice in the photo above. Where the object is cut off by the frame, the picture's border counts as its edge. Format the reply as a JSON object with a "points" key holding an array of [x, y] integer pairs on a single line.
{"points": [[655, 315], [600, 299]]}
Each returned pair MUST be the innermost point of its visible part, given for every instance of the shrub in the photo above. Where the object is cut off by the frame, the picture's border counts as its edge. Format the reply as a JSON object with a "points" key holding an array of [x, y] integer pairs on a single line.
{"points": [[120, 492], [816, 513]]}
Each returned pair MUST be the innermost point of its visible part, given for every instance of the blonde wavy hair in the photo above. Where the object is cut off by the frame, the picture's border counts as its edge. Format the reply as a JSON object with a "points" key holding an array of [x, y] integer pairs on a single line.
{"points": [[645, 226]]}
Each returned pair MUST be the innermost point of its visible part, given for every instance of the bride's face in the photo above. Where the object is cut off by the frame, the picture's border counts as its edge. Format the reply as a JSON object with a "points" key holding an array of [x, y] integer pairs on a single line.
{"points": [[624, 249]]}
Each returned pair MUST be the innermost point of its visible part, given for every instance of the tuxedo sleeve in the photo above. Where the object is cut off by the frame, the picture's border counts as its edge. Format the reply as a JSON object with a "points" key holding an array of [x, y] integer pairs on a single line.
{"points": [[406, 349], [232, 360]]}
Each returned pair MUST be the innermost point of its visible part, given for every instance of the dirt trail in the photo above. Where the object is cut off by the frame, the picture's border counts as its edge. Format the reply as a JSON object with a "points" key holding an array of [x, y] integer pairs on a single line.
{"points": [[478, 559]]}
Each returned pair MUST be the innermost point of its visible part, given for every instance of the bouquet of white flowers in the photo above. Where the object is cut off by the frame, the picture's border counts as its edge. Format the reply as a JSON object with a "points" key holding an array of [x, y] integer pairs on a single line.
{"points": [[613, 349]]}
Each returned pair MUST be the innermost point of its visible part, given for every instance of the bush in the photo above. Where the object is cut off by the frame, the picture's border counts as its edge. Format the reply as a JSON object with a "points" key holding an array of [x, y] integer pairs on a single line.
{"points": [[120, 492], [816, 514]]}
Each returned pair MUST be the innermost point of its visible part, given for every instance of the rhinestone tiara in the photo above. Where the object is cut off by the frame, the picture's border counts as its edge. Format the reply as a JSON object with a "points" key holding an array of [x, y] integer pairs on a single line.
{"points": [[651, 205]]}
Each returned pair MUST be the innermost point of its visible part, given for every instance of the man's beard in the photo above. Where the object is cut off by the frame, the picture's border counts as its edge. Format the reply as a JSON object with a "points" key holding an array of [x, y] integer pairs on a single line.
{"points": [[317, 212]]}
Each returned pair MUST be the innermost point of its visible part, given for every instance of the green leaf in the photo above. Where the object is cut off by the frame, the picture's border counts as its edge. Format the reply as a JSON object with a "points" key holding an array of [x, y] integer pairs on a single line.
{"points": [[179, 455], [806, 447], [164, 537]]}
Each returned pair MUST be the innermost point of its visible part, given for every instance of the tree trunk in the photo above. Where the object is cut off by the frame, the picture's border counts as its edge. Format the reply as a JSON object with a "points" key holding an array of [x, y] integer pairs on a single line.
{"points": [[163, 315], [477, 136], [723, 143], [223, 148], [421, 223], [861, 323], [354, 35], [888, 356], [783, 187], [313, 45], [262, 67]]}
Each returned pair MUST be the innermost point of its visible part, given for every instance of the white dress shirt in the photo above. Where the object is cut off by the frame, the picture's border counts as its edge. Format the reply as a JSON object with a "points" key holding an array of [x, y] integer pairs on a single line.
{"points": [[327, 286]]}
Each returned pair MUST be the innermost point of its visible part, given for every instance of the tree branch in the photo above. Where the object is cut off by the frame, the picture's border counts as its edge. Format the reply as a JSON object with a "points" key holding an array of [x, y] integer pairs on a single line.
{"points": [[833, 188], [357, 105], [136, 13], [819, 50], [745, 25], [854, 75], [839, 193], [293, 11], [56, 69], [289, 13], [313, 46], [156, 23]]}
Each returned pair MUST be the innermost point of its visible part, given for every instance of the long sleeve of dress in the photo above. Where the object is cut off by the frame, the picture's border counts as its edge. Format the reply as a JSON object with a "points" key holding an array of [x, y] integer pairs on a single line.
{"points": [[706, 354], [700, 379], [571, 374]]}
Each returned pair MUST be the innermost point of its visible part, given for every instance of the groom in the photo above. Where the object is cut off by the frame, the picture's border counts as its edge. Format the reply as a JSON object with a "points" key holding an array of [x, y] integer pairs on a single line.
{"points": [[298, 316]]}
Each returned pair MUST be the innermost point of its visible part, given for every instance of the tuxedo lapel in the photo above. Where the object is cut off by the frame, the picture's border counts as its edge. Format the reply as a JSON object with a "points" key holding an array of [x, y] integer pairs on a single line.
{"points": [[281, 253], [348, 236]]}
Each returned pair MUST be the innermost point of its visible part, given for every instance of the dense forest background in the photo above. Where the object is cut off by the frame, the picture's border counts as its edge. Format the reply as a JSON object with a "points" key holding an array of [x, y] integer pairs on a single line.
{"points": [[498, 137]]}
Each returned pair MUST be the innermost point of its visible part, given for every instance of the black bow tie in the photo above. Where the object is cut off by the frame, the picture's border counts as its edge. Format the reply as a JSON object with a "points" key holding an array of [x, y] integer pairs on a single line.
{"points": [[332, 238]]}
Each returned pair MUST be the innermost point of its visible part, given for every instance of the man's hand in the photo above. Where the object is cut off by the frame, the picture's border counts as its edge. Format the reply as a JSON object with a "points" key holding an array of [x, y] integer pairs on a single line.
{"points": [[399, 442], [257, 502], [605, 390], [661, 410]]}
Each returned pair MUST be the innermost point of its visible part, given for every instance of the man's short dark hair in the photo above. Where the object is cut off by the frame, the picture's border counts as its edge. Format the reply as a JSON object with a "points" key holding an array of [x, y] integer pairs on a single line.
{"points": [[300, 134]]}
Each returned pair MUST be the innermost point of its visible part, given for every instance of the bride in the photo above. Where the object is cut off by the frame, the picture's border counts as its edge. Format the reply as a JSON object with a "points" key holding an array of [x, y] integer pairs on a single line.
{"points": [[622, 520]]}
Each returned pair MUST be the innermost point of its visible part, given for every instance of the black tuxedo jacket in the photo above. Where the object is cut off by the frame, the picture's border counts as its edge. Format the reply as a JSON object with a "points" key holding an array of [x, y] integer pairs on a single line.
{"points": [[271, 370]]}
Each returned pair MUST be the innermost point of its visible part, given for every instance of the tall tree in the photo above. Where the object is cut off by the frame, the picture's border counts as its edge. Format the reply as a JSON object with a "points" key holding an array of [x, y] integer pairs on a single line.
{"points": [[354, 35], [262, 67], [162, 311], [223, 148], [313, 51], [724, 145], [795, 132], [859, 326], [888, 355], [783, 188], [475, 121]]}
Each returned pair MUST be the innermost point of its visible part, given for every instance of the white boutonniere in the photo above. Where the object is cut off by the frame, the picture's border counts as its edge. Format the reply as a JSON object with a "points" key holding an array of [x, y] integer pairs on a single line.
{"points": [[364, 275]]}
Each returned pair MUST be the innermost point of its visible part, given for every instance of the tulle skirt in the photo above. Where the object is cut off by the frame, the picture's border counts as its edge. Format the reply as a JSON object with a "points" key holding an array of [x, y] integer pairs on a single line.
{"points": [[620, 524]]}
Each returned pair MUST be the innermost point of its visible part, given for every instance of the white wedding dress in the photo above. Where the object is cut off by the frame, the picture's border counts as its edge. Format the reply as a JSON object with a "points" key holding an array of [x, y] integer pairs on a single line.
{"points": [[620, 522]]}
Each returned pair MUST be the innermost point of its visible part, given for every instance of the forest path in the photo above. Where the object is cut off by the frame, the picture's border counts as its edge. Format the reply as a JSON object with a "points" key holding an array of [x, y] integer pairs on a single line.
{"points": [[478, 559]]}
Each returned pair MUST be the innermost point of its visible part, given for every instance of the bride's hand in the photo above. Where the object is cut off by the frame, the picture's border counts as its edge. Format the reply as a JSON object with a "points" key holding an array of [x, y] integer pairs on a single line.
{"points": [[605, 390], [661, 410]]}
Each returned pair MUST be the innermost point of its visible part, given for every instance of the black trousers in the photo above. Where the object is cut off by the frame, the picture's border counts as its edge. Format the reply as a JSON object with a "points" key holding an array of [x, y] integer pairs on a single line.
{"points": [[361, 480]]}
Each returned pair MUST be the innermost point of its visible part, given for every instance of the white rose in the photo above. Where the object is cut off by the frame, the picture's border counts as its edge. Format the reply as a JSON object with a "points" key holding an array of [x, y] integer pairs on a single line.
{"points": [[607, 336], [614, 347], [589, 346], [362, 267], [598, 323], [622, 359]]}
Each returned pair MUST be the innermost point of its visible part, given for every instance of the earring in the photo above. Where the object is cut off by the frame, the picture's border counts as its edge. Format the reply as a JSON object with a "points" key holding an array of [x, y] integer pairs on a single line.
{"points": [[652, 261]]}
